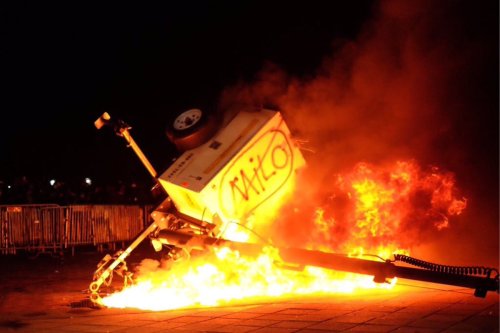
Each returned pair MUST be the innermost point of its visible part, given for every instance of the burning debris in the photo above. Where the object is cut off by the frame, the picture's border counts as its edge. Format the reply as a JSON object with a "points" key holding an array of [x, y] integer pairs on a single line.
{"points": [[227, 189]]}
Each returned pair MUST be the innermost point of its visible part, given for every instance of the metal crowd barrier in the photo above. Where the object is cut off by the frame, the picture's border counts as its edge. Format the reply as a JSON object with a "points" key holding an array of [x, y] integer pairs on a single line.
{"points": [[52, 227]]}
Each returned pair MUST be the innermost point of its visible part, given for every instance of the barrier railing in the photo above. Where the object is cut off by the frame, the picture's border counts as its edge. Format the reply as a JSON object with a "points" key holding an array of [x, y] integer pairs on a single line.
{"points": [[44, 227]]}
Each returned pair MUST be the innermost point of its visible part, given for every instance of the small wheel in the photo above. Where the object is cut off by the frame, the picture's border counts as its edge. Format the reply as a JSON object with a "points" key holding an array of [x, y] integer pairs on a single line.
{"points": [[191, 129], [94, 287], [187, 119]]}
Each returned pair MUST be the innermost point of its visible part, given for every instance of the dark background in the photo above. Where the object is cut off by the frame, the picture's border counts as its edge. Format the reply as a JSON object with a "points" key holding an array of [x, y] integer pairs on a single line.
{"points": [[64, 63]]}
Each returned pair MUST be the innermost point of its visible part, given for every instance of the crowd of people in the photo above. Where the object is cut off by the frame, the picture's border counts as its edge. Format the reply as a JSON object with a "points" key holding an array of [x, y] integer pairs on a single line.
{"points": [[25, 190]]}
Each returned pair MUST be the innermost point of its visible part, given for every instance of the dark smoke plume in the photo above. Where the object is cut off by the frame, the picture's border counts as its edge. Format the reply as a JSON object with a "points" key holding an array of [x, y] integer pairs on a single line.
{"points": [[419, 82]]}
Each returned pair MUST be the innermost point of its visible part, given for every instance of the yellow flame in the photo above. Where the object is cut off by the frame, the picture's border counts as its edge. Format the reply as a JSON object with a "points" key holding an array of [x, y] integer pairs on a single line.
{"points": [[378, 200], [224, 275]]}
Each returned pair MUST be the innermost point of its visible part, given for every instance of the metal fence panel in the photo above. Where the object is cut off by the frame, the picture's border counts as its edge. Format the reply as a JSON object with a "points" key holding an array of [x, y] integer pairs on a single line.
{"points": [[38, 227]]}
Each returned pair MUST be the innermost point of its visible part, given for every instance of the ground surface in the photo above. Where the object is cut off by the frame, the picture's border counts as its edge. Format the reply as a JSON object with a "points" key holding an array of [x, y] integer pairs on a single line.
{"points": [[36, 296]]}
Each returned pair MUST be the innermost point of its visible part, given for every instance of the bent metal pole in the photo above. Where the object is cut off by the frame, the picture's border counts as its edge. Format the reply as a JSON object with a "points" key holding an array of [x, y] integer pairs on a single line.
{"points": [[380, 270]]}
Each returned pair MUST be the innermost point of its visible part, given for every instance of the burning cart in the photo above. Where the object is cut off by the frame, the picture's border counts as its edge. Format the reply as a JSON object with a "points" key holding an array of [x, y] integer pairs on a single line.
{"points": [[229, 170]]}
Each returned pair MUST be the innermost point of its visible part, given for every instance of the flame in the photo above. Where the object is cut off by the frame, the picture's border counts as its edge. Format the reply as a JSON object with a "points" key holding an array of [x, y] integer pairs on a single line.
{"points": [[378, 203], [223, 276], [375, 208]]}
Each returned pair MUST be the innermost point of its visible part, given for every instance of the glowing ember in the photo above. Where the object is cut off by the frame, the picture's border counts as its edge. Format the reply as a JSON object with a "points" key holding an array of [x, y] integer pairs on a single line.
{"points": [[378, 203]]}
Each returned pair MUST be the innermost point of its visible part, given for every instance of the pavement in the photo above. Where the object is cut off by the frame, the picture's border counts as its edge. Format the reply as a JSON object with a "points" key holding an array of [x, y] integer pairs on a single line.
{"points": [[40, 295]]}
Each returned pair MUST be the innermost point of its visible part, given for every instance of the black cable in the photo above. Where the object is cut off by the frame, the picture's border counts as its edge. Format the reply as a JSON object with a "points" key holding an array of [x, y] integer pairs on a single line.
{"points": [[458, 270], [247, 228], [373, 255]]}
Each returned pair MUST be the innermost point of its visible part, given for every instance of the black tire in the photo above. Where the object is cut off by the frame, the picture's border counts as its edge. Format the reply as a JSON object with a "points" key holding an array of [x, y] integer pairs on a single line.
{"points": [[191, 129]]}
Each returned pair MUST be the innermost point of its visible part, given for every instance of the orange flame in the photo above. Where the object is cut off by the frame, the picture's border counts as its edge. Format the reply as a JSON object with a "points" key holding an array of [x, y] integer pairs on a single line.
{"points": [[376, 207], [378, 203], [223, 276]]}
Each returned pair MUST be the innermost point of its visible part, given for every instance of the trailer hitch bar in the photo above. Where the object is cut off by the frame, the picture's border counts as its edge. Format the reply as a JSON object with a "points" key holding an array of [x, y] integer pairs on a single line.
{"points": [[381, 270]]}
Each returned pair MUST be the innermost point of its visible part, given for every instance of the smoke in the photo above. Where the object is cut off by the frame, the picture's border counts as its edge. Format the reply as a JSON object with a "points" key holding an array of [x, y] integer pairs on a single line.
{"points": [[409, 87]]}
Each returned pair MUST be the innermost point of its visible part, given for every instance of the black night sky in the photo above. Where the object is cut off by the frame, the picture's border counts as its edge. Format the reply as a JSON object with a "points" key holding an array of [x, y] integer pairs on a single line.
{"points": [[64, 63]]}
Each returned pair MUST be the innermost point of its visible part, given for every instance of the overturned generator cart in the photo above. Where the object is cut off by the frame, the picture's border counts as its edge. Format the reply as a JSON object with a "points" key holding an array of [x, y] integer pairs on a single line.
{"points": [[229, 168]]}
